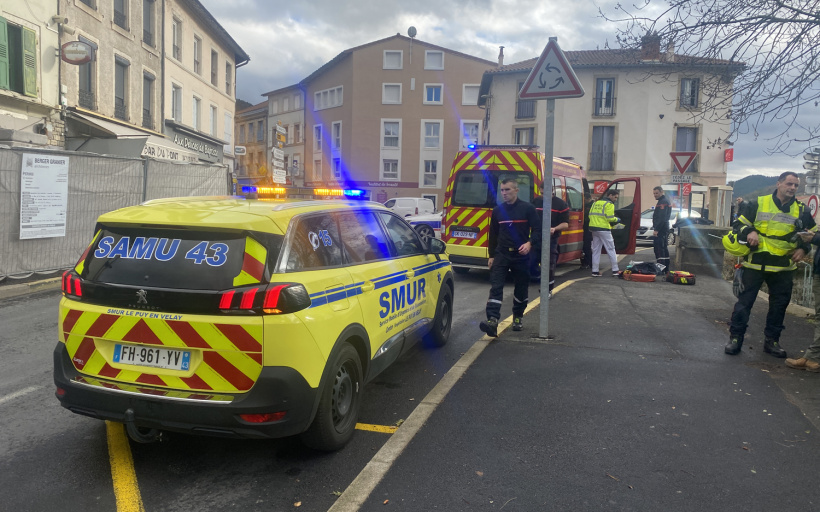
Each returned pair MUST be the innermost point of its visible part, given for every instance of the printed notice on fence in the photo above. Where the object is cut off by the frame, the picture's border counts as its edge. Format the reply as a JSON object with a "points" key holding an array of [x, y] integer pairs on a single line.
{"points": [[43, 195]]}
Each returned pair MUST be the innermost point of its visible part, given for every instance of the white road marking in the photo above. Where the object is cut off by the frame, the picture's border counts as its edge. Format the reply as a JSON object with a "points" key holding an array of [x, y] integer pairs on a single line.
{"points": [[18, 394]]}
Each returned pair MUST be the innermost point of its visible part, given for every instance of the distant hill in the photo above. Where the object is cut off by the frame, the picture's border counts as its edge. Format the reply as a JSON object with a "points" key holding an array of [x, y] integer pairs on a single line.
{"points": [[757, 185]]}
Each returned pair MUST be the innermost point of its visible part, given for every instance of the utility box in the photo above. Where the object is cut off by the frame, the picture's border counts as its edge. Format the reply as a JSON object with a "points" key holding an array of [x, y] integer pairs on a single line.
{"points": [[720, 205], [700, 250]]}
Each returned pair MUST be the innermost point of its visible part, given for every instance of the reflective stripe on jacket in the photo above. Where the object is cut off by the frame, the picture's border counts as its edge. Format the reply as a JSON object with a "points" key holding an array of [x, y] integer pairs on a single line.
{"points": [[770, 222], [602, 215]]}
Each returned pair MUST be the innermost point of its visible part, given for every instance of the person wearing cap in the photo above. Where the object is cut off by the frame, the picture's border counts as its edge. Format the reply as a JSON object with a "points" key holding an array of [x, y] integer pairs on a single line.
{"points": [[769, 225], [601, 219], [515, 228]]}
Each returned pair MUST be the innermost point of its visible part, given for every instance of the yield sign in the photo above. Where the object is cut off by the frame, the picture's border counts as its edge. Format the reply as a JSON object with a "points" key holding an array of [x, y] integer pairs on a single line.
{"points": [[683, 159], [551, 77]]}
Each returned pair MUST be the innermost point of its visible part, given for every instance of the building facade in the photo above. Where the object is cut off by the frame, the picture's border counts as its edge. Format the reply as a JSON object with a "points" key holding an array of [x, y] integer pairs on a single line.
{"points": [[252, 162], [389, 117], [628, 121], [144, 94], [29, 74], [286, 108]]}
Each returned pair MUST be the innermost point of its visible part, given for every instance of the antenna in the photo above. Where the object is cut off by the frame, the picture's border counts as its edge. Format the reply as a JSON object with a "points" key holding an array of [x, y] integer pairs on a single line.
{"points": [[412, 33]]}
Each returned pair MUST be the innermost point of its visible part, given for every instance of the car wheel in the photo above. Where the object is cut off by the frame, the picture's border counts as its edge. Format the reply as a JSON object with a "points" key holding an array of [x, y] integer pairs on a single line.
{"points": [[339, 403], [444, 319], [425, 232], [461, 270], [670, 238]]}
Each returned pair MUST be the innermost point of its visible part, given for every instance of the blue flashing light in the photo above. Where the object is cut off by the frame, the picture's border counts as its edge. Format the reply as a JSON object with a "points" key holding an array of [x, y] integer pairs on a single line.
{"points": [[471, 146], [248, 189], [354, 193]]}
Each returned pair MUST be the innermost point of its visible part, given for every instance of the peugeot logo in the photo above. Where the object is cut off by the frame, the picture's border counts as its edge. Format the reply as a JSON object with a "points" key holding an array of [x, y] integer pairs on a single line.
{"points": [[142, 297]]}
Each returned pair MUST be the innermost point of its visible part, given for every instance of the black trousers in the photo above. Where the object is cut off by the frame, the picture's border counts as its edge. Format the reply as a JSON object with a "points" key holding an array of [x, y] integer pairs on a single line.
{"points": [[503, 262], [661, 246], [780, 294], [586, 261], [535, 263]]}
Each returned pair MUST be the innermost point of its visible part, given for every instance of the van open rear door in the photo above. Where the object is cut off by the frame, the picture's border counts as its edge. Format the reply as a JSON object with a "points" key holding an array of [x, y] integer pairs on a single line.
{"points": [[628, 210]]}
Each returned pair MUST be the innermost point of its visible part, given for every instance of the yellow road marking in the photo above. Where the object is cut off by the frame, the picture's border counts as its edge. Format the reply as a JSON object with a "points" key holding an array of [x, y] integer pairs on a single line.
{"points": [[126, 489], [384, 429]]}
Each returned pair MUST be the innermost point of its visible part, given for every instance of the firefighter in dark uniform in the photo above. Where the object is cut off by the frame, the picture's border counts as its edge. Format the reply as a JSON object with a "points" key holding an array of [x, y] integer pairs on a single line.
{"points": [[660, 227], [559, 220], [515, 228], [770, 225]]}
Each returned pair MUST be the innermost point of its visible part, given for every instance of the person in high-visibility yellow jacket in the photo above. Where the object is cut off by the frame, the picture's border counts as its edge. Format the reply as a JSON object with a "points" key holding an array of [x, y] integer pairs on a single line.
{"points": [[601, 219], [769, 224]]}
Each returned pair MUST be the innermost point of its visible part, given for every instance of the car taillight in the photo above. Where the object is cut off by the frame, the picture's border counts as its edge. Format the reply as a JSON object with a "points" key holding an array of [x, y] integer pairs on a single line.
{"points": [[71, 284], [417, 210], [274, 299]]}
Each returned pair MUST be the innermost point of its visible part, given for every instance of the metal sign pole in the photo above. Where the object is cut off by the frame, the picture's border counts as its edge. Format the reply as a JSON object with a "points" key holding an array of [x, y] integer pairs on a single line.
{"points": [[546, 221]]}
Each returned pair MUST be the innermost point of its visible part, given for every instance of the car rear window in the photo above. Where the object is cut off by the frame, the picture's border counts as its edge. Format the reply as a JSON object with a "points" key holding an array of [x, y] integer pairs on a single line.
{"points": [[180, 259]]}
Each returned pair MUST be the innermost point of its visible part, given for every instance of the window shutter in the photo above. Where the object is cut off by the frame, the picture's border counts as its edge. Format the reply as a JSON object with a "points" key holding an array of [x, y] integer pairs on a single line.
{"points": [[29, 62], [4, 55]]}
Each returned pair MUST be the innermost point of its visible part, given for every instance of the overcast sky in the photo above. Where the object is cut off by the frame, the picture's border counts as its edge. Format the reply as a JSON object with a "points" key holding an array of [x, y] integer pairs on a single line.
{"points": [[287, 41]]}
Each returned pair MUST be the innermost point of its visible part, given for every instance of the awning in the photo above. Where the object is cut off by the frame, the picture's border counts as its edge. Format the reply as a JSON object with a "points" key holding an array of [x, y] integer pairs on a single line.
{"points": [[115, 139]]}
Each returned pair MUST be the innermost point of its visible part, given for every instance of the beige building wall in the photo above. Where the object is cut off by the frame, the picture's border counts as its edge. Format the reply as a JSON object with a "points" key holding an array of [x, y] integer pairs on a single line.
{"points": [[247, 132], [29, 112], [377, 88], [94, 22], [645, 120]]}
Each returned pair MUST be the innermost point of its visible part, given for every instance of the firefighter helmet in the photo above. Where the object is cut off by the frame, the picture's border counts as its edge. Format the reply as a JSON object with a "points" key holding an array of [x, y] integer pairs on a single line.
{"points": [[733, 246]]}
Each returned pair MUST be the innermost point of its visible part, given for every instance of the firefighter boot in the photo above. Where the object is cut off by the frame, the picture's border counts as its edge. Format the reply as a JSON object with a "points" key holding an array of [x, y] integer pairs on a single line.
{"points": [[771, 346], [518, 324], [490, 326], [733, 347]]}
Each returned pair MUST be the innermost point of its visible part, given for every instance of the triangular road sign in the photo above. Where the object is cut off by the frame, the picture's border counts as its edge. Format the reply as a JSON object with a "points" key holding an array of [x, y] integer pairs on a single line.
{"points": [[551, 77], [683, 159]]}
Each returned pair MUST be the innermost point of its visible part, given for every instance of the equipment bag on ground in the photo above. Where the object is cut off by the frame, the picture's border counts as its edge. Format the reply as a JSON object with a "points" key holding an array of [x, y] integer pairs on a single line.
{"points": [[680, 277]]}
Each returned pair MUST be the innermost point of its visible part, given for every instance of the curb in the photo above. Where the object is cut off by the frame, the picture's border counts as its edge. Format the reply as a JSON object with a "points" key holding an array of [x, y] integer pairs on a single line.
{"points": [[15, 290]]}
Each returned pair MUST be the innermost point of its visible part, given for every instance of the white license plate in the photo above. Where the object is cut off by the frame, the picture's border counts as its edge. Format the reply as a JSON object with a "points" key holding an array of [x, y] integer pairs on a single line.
{"points": [[154, 357], [464, 234]]}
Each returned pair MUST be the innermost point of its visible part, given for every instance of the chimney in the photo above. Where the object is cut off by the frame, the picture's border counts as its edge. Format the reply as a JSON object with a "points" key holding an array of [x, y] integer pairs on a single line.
{"points": [[651, 46], [500, 55], [670, 51]]}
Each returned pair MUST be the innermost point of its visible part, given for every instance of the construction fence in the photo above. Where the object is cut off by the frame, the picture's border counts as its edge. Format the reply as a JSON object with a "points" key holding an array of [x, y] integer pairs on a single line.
{"points": [[96, 184]]}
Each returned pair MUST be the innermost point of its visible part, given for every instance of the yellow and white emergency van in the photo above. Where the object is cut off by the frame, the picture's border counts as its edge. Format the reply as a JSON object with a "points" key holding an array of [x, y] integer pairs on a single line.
{"points": [[245, 318]]}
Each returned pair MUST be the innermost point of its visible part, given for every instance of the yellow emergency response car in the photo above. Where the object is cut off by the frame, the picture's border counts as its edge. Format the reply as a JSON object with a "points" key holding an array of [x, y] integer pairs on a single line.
{"points": [[244, 318]]}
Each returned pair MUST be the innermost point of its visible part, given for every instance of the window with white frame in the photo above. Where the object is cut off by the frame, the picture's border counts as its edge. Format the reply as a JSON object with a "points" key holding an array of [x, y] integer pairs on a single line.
{"points": [[274, 107], [391, 94], [213, 120], [432, 94], [604, 97], [317, 137], [390, 131], [260, 132], [297, 133], [285, 104], [241, 133], [689, 90], [469, 94], [525, 136], [176, 38], [433, 59], [336, 129], [469, 133], [317, 169], [337, 168], [392, 59], [432, 135], [197, 55], [227, 131], [328, 98], [430, 173], [390, 169], [176, 102], [196, 107], [297, 102], [686, 139]]}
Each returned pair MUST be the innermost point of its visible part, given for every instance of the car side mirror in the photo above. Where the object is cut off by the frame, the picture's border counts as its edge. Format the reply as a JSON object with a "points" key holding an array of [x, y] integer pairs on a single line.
{"points": [[436, 246]]}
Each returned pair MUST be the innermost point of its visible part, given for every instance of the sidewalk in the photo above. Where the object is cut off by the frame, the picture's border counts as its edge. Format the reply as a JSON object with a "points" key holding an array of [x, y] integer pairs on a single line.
{"points": [[632, 406]]}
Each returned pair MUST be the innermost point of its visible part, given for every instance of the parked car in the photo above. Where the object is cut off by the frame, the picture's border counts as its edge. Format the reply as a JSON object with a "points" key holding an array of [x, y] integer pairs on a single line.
{"points": [[645, 231], [427, 226], [406, 206]]}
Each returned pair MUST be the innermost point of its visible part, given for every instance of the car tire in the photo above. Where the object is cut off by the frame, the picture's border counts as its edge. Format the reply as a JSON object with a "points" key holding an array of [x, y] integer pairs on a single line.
{"points": [[461, 270], [425, 232], [339, 403], [443, 321]]}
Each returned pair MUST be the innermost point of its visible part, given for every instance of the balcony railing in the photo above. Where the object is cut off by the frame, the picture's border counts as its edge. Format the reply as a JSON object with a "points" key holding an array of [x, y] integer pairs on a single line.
{"points": [[120, 109], [605, 106], [88, 100], [121, 19], [601, 161], [148, 37], [147, 119], [525, 109]]}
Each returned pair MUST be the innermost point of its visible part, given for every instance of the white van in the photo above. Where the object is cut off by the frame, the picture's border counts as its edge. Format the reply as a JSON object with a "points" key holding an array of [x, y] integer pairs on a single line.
{"points": [[405, 206]]}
